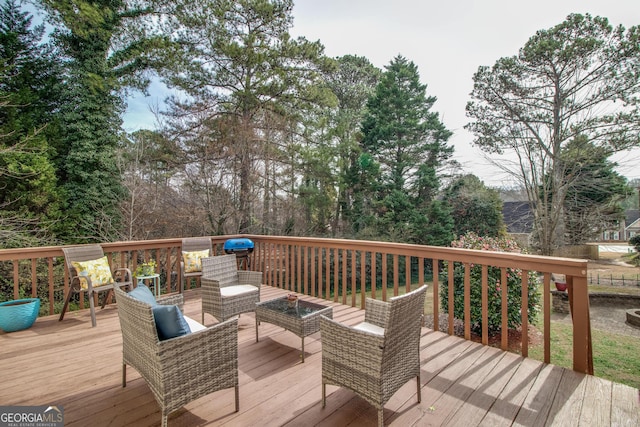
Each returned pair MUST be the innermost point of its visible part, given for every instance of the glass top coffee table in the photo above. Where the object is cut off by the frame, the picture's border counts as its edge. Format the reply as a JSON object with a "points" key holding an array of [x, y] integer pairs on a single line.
{"points": [[300, 317]]}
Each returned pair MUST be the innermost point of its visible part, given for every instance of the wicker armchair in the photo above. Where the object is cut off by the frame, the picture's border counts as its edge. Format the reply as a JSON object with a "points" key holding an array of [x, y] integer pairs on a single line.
{"points": [[121, 277], [181, 369], [227, 291], [191, 244], [378, 356]]}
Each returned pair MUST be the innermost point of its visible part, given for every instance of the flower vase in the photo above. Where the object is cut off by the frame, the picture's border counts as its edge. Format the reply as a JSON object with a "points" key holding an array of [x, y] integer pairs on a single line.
{"points": [[292, 301]]}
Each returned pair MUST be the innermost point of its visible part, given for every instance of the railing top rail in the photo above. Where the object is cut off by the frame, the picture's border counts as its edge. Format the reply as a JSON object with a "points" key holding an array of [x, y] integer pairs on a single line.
{"points": [[568, 266], [572, 267]]}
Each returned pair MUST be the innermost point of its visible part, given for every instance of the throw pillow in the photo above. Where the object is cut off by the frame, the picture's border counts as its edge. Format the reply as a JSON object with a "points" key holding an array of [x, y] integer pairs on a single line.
{"points": [[98, 270], [170, 322], [144, 294], [193, 260]]}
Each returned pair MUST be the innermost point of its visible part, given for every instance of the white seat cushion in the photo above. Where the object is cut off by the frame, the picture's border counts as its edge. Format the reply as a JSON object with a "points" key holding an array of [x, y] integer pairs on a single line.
{"points": [[193, 325], [369, 327], [230, 291]]}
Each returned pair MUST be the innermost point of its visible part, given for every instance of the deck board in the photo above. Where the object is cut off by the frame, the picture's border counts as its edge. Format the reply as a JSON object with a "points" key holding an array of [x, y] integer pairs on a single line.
{"points": [[75, 366]]}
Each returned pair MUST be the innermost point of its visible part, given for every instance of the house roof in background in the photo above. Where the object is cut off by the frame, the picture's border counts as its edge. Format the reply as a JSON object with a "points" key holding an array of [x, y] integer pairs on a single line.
{"points": [[631, 216], [518, 217]]}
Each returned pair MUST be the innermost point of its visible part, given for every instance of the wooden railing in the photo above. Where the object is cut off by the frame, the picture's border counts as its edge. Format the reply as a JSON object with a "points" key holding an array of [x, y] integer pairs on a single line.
{"points": [[339, 270]]}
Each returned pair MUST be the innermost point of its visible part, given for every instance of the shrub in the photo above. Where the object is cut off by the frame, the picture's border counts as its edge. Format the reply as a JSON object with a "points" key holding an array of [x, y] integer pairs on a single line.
{"points": [[495, 289], [635, 257]]}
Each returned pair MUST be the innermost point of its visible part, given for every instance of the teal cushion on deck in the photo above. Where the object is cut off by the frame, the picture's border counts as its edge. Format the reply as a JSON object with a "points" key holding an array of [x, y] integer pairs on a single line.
{"points": [[170, 322], [144, 294]]}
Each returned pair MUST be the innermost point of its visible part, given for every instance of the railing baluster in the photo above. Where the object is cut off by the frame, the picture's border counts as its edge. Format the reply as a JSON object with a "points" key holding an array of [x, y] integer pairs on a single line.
{"points": [[34, 278], [297, 263], [504, 287], [524, 338], [385, 271], [353, 277], [467, 301], [299, 270], [363, 278], [167, 270], [16, 279], [336, 274], [546, 303], [305, 266], [374, 280], [450, 300], [51, 287], [320, 269], [344, 258], [484, 282], [312, 259], [436, 291], [327, 274], [407, 273]]}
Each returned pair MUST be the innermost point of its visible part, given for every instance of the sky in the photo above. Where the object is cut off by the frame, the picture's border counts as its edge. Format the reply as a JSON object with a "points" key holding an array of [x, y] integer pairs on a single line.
{"points": [[447, 40]]}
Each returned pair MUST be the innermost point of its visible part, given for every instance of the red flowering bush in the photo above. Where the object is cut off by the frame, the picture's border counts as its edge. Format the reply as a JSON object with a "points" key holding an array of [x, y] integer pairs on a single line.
{"points": [[495, 288]]}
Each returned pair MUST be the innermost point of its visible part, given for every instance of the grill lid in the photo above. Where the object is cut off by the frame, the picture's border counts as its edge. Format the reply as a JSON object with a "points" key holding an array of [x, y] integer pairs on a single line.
{"points": [[233, 246]]}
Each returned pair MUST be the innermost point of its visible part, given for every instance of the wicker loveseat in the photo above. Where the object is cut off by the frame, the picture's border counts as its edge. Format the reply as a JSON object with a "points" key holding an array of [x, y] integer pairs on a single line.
{"points": [[181, 369]]}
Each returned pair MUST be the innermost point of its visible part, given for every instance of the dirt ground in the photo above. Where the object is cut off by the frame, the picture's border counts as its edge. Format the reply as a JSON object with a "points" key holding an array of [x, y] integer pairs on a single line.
{"points": [[614, 264], [611, 319]]}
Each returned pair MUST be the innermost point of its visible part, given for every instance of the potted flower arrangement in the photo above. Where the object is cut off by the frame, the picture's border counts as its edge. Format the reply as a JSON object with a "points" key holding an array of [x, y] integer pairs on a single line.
{"points": [[146, 268], [292, 300]]}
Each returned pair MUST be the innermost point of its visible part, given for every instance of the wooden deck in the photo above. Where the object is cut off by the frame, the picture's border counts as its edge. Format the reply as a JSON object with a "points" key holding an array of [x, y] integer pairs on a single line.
{"points": [[77, 367]]}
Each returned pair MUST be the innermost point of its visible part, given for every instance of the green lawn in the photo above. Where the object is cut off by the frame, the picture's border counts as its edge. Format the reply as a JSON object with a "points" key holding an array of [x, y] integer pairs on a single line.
{"points": [[615, 357]]}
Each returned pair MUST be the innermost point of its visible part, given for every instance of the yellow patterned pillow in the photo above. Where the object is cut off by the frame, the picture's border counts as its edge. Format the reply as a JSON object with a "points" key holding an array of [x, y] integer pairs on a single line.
{"points": [[193, 260], [97, 269]]}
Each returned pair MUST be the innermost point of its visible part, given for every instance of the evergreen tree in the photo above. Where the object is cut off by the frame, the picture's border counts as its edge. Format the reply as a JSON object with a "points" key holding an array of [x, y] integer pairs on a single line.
{"points": [[109, 46], [353, 83], [408, 141], [595, 193], [475, 207], [29, 200]]}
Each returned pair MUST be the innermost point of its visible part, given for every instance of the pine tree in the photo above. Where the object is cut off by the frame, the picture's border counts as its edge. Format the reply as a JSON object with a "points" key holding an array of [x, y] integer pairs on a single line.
{"points": [[408, 141], [578, 79], [250, 83], [29, 200]]}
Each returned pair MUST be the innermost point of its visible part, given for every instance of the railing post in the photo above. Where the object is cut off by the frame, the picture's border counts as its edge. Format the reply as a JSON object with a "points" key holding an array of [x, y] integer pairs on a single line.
{"points": [[579, 306]]}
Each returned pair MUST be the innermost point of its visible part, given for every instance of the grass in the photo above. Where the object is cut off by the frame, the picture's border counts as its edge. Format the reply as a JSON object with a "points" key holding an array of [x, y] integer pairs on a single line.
{"points": [[615, 356]]}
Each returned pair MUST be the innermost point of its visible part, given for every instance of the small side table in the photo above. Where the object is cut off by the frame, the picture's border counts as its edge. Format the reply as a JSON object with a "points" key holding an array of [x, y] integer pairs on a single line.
{"points": [[154, 279]]}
